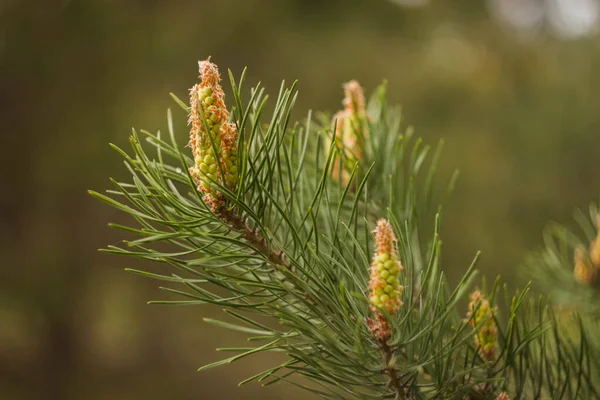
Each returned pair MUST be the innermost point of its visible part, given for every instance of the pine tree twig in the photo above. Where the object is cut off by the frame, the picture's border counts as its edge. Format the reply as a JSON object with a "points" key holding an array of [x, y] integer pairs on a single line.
{"points": [[317, 290], [385, 296], [390, 369], [238, 224]]}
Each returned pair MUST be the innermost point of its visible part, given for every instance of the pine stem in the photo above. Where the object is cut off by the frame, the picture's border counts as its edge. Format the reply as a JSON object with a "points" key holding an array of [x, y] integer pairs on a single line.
{"points": [[251, 236], [390, 370]]}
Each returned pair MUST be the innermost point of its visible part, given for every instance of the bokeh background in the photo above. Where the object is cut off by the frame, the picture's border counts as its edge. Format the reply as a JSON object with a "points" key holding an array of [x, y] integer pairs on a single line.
{"points": [[513, 86]]}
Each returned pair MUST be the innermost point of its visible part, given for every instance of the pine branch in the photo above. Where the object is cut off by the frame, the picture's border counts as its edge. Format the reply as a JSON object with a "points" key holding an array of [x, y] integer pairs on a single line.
{"points": [[279, 197], [235, 222], [390, 369]]}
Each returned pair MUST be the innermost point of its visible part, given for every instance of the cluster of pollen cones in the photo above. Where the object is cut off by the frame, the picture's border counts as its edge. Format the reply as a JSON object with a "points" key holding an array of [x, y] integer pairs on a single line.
{"points": [[481, 317], [351, 131], [213, 138], [587, 262]]}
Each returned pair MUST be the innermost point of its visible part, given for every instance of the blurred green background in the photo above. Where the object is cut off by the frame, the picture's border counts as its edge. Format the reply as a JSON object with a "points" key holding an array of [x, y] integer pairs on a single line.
{"points": [[512, 86]]}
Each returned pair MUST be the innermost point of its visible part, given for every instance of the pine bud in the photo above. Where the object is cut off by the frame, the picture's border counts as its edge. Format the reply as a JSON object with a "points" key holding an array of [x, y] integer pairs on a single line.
{"points": [[207, 98], [481, 316], [584, 271], [349, 126], [386, 290]]}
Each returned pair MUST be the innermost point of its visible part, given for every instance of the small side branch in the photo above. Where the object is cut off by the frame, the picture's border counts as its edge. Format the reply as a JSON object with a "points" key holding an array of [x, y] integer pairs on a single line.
{"points": [[381, 329], [251, 236], [390, 369]]}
